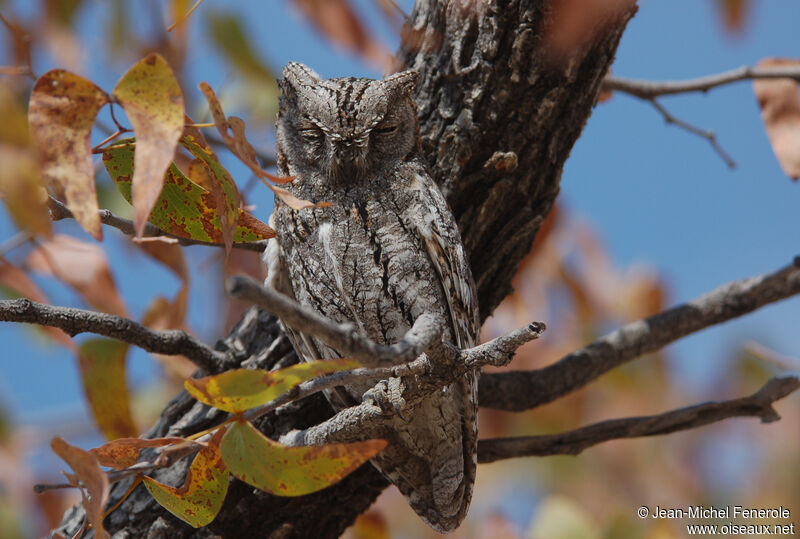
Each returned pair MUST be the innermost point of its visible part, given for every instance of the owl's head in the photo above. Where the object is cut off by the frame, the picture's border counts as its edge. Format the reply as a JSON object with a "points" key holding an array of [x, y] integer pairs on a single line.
{"points": [[344, 130]]}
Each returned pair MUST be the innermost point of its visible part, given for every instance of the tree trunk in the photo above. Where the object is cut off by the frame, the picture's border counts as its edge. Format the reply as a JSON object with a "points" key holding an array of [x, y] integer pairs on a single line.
{"points": [[497, 120]]}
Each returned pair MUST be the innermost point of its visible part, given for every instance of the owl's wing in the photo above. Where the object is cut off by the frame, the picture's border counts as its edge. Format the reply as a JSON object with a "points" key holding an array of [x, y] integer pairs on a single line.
{"points": [[453, 460], [440, 236]]}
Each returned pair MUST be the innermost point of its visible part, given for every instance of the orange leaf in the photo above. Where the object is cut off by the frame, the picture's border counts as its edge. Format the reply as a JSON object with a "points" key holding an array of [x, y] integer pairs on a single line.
{"points": [[63, 107], [337, 20], [18, 281], [734, 14], [291, 471], [82, 266], [200, 497], [575, 23], [780, 112], [152, 99], [88, 471], [102, 364], [124, 452]]}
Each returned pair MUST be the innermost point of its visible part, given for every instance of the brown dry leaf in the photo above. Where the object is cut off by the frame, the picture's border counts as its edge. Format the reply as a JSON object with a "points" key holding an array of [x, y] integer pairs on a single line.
{"points": [[734, 14], [82, 266], [338, 21], [169, 255], [62, 110], [152, 99], [575, 23], [102, 363], [199, 174], [780, 111], [87, 470], [217, 113], [17, 280], [124, 452], [244, 151]]}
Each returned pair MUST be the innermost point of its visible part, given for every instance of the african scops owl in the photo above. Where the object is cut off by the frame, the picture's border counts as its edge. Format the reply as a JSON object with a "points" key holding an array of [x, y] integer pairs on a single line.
{"points": [[384, 252]]}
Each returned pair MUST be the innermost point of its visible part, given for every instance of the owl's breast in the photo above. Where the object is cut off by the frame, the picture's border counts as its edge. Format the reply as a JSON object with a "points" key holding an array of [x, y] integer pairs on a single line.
{"points": [[361, 263]]}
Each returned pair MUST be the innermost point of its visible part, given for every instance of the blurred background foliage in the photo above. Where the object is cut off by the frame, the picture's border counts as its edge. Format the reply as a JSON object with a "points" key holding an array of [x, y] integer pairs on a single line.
{"points": [[570, 280]]}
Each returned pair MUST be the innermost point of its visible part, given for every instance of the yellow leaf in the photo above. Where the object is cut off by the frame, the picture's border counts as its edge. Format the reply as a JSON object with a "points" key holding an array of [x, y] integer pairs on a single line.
{"points": [[241, 389], [200, 497], [291, 471], [62, 110], [102, 364], [152, 99]]}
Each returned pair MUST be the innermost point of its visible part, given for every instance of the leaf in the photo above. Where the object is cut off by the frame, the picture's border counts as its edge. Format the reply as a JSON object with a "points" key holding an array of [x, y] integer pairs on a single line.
{"points": [[81, 265], [573, 24], [224, 189], [183, 209], [241, 389], [229, 35], [17, 281], [200, 497], [62, 111], [152, 99], [124, 452], [780, 111], [102, 363], [337, 20], [734, 14], [20, 177], [291, 471], [88, 471]]}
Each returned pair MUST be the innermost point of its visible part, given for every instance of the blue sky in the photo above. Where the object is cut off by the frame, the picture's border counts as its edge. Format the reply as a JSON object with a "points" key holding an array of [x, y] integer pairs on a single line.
{"points": [[655, 194]]}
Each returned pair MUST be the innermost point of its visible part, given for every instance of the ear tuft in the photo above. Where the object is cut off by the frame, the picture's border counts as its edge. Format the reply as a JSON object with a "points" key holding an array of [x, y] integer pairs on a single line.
{"points": [[404, 82], [297, 75]]}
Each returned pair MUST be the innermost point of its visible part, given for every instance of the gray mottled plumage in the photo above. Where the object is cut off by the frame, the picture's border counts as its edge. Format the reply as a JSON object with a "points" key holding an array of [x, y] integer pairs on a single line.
{"points": [[384, 252]]}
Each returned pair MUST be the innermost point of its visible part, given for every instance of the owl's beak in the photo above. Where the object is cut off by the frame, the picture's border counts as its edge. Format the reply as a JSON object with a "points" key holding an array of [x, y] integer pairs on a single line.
{"points": [[348, 159]]}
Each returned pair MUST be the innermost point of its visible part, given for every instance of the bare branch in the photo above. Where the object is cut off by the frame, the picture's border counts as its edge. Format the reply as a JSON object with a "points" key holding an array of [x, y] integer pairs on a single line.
{"points": [[345, 338], [499, 352], [522, 390], [59, 211], [647, 89], [575, 441], [75, 321], [702, 133]]}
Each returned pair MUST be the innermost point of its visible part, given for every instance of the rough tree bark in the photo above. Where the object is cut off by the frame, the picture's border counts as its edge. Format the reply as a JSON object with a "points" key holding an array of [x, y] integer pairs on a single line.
{"points": [[498, 122]]}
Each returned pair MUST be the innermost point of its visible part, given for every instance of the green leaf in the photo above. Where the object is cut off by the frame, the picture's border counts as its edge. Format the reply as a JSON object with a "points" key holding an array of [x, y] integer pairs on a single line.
{"points": [[200, 497], [102, 364], [291, 471], [183, 209], [241, 389], [225, 192], [152, 99]]}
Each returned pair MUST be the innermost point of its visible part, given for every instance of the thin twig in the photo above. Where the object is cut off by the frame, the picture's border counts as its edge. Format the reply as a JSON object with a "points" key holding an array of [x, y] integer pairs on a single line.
{"points": [[59, 211], [186, 16], [523, 390], [648, 89], [702, 133], [345, 338], [74, 321], [574, 442]]}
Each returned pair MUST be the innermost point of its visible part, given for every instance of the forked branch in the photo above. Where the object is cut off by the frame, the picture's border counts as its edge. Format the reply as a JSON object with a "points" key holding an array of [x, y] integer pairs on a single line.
{"points": [[573, 442], [522, 390]]}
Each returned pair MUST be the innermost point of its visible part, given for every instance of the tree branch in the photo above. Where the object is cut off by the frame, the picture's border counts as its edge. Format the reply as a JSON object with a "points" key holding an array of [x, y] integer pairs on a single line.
{"points": [[59, 211], [522, 390], [647, 89], [345, 338], [573, 442], [75, 321], [693, 129]]}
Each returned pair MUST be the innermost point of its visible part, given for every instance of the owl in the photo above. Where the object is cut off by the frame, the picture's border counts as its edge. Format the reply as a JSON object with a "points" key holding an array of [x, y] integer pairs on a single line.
{"points": [[383, 252]]}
